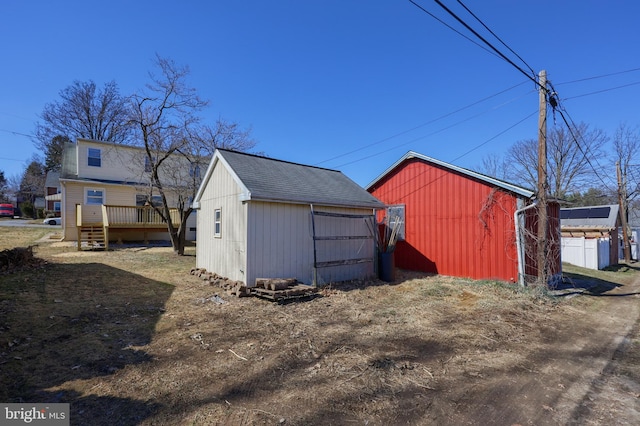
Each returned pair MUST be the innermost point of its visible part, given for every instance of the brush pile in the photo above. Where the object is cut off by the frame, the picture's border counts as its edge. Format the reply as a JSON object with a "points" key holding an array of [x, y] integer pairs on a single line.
{"points": [[387, 237], [18, 258]]}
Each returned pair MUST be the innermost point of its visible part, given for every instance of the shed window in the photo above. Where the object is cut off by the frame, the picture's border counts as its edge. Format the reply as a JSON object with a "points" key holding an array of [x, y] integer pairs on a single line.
{"points": [[217, 223], [94, 157], [396, 214], [94, 196]]}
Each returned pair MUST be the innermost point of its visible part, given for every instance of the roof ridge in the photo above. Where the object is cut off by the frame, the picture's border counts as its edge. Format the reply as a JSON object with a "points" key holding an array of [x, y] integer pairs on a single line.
{"points": [[277, 159]]}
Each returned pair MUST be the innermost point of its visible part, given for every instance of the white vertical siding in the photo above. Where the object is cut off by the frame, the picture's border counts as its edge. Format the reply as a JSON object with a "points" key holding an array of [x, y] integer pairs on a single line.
{"points": [[280, 243], [225, 255]]}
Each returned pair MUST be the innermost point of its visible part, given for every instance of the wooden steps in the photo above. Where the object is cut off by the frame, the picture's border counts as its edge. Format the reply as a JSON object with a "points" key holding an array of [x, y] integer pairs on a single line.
{"points": [[91, 237]]}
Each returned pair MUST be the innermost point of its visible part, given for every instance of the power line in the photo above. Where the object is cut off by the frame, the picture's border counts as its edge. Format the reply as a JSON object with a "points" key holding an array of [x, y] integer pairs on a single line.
{"points": [[11, 159], [17, 133], [430, 134], [562, 111], [603, 90], [451, 28], [421, 125], [502, 55], [498, 38], [462, 155], [599, 76]]}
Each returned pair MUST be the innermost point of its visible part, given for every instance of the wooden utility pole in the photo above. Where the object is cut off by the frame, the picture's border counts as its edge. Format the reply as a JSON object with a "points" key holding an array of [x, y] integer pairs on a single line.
{"points": [[622, 198], [542, 180]]}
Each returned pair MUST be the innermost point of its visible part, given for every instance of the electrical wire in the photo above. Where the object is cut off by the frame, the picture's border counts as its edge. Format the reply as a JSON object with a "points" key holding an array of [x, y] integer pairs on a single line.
{"points": [[421, 125], [459, 157], [598, 76], [451, 28], [433, 133], [603, 90], [498, 38], [491, 46], [564, 114], [17, 133]]}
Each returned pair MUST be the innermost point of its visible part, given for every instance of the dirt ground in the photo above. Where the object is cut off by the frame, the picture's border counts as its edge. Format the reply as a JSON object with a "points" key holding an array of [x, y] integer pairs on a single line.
{"points": [[130, 337]]}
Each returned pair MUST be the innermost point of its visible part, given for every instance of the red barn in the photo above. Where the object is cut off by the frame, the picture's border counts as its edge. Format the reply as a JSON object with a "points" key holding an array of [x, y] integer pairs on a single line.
{"points": [[461, 223]]}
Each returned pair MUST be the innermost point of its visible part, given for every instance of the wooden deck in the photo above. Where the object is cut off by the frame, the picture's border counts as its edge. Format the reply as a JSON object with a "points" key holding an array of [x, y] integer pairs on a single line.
{"points": [[120, 219]]}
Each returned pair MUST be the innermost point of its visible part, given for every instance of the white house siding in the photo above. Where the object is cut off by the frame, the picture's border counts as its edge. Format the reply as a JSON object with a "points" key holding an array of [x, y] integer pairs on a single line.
{"points": [[127, 164], [280, 243], [118, 162], [226, 255]]}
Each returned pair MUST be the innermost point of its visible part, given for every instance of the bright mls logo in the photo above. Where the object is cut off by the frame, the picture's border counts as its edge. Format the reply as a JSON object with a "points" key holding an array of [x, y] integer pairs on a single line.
{"points": [[36, 414]]}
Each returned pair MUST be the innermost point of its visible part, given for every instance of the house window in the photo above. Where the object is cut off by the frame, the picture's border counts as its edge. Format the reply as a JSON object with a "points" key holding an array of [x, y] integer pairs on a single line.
{"points": [[142, 199], [56, 206], [149, 163], [395, 214], [94, 158], [217, 223], [94, 196]]}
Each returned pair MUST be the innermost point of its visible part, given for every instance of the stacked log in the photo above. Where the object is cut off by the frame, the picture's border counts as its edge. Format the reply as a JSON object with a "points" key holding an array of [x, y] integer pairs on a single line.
{"points": [[275, 283]]}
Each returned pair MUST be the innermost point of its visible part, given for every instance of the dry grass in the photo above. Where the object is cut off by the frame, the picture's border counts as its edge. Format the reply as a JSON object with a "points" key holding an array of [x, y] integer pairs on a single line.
{"points": [[129, 337], [11, 237]]}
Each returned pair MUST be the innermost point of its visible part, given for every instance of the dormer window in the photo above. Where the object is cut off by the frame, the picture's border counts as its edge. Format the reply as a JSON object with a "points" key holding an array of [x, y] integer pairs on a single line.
{"points": [[94, 157]]}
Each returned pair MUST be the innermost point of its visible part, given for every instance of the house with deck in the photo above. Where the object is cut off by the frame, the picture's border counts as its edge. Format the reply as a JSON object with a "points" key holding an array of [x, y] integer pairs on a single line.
{"points": [[104, 191], [260, 217]]}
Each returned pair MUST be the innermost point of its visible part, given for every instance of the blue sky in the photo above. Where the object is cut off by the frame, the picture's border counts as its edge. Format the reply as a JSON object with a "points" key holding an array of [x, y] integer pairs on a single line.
{"points": [[345, 84]]}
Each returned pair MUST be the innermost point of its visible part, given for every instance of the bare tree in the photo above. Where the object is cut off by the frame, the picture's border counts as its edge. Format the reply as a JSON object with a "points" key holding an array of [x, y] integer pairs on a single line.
{"points": [[84, 111], [626, 143], [4, 188], [495, 166], [571, 157], [176, 144], [32, 184]]}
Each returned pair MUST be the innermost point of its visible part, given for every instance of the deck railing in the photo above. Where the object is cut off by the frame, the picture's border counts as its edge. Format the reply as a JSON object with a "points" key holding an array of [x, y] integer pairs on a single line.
{"points": [[130, 216], [137, 216]]}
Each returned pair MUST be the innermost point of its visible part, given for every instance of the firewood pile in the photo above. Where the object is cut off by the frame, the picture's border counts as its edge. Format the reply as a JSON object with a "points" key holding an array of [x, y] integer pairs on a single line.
{"points": [[18, 258], [279, 289], [276, 289]]}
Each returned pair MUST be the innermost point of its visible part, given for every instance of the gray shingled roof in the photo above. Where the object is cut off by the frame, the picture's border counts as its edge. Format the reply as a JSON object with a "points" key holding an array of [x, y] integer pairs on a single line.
{"points": [[275, 180]]}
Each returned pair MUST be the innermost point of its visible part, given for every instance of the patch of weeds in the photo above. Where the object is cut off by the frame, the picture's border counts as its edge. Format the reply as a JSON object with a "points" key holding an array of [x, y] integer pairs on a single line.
{"points": [[436, 290], [387, 313]]}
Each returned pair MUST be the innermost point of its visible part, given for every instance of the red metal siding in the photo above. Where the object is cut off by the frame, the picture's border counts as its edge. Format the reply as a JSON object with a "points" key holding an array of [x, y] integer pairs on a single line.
{"points": [[454, 225]]}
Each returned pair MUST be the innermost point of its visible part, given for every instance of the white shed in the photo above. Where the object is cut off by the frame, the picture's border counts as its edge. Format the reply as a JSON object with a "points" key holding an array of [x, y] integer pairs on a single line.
{"points": [[265, 218]]}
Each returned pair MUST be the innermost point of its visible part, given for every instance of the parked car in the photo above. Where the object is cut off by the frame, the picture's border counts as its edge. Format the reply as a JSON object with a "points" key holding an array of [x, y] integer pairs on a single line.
{"points": [[6, 210], [52, 221]]}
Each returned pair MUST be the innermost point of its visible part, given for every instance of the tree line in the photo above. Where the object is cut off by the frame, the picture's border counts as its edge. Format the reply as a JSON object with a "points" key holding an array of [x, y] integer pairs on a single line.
{"points": [[581, 161]]}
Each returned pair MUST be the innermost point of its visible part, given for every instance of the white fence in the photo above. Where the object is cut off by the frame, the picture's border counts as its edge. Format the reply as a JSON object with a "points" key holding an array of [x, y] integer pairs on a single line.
{"points": [[592, 253]]}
